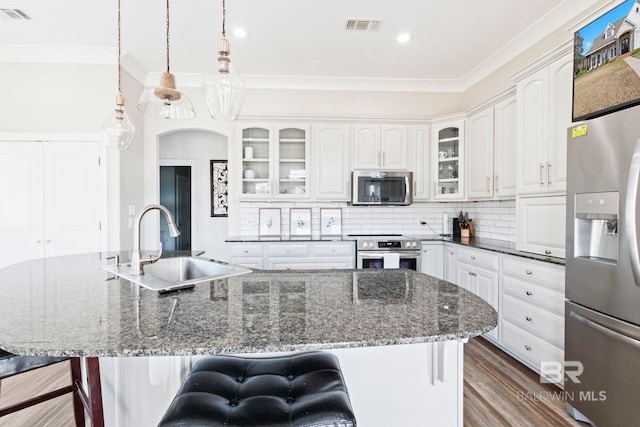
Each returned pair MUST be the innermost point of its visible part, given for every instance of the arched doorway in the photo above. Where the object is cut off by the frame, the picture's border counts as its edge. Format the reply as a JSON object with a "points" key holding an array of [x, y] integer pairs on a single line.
{"points": [[625, 44]]}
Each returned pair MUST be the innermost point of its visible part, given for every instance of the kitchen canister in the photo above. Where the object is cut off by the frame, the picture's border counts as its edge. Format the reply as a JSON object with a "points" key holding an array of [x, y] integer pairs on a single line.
{"points": [[248, 153]]}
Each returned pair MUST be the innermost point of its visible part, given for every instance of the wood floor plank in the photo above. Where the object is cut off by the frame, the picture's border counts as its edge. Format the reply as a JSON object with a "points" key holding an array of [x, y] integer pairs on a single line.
{"points": [[498, 391]]}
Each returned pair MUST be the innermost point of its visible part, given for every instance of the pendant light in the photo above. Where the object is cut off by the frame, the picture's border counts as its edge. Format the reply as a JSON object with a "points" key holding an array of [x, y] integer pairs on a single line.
{"points": [[117, 128], [223, 88], [165, 101]]}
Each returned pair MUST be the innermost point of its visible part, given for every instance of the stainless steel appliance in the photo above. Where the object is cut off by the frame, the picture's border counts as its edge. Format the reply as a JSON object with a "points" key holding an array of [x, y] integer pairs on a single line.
{"points": [[373, 250], [602, 312], [381, 187]]}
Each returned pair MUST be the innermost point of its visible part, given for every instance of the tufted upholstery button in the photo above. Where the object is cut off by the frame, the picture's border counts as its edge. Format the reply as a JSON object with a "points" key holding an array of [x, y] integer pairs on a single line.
{"points": [[302, 390]]}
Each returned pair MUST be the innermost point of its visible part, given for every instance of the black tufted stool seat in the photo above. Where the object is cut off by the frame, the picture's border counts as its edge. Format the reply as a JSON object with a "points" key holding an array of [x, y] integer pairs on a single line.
{"points": [[305, 389]]}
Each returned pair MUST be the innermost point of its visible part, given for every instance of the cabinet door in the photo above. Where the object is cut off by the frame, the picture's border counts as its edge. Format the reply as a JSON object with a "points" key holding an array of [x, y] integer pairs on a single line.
{"points": [[331, 162], [532, 127], [504, 149], [421, 154], [256, 155], [432, 259], [487, 289], [450, 264], [394, 146], [480, 154], [448, 155], [466, 277], [541, 225], [366, 147], [292, 154], [560, 95]]}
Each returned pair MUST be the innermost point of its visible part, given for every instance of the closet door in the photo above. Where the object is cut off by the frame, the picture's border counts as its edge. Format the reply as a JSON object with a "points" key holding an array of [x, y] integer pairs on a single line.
{"points": [[21, 202]]}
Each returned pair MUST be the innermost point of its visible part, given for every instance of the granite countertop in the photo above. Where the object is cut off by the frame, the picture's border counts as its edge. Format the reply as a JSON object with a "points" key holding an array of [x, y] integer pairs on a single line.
{"points": [[71, 306], [494, 245]]}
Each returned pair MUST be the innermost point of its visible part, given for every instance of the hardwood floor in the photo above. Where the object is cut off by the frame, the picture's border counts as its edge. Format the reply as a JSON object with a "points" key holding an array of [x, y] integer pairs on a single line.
{"points": [[498, 391]]}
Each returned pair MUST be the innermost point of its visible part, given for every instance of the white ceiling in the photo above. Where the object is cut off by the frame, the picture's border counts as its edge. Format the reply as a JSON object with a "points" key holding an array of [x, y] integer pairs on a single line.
{"points": [[454, 43]]}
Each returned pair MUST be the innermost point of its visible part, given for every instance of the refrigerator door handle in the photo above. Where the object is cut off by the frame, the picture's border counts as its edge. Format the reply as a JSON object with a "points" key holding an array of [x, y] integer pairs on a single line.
{"points": [[611, 333], [630, 213]]}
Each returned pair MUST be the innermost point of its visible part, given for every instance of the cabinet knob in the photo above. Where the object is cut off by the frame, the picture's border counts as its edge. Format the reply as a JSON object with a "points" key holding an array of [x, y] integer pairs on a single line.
{"points": [[529, 272], [528, 318], [246, 251], [472, 257], [38, 241], [527, 347], [529, 293], [48, 241], [547, 252]]}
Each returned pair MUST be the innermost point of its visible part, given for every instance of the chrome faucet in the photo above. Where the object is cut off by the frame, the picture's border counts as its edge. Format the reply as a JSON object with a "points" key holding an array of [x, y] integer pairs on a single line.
{"points": [[137, 261]]}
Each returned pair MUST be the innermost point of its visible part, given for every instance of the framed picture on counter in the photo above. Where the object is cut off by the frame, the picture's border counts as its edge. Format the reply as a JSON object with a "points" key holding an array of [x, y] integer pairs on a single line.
{"points": [[269, 222], [330, 221], [300, 221]]}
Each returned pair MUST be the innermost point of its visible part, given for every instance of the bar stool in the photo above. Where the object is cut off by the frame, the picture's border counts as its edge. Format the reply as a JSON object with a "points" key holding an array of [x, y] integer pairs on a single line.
{"points": [[11, 364], [305, 389]]}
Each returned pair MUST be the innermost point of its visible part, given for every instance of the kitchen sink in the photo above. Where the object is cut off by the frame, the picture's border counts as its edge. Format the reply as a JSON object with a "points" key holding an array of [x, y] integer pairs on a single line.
{"points": [[170, 274]]}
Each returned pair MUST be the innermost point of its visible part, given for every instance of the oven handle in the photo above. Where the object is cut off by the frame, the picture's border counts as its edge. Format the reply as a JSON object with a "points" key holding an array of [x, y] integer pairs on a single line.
{"points": [[380, 254]]}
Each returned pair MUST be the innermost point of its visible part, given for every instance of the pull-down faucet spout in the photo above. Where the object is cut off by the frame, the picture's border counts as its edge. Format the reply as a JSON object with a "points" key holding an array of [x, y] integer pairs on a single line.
{"points": [[137, 261]]}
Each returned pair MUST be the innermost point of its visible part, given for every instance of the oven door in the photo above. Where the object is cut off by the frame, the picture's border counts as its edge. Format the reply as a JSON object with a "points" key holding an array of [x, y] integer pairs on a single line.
{"points": [[375, 259]]}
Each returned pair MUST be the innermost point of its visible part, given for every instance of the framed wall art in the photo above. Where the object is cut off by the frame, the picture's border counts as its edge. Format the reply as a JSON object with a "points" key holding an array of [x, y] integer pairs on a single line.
{"points": [[300, 221], [219, 188], [269, 222], [330, 221]]}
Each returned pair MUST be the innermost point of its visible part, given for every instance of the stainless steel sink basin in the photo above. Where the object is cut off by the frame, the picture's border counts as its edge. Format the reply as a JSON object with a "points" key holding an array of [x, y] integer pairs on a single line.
{"points": [[169, 274]]}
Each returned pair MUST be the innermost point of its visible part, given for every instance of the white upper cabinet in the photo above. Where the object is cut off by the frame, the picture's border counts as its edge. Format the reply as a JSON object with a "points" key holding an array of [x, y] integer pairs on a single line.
{"points": [[448, 159], [274, 160], [543, 115], [491, 151], [480, 155], [419, 140], [380, 147], [331, 162]]}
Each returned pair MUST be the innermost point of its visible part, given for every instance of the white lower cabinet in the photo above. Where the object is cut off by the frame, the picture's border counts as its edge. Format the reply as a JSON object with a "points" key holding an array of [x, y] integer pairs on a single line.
{"points": [[432, 259], [477, 271], [450, 260], [532, 316], [293, 256], [541, 225]]}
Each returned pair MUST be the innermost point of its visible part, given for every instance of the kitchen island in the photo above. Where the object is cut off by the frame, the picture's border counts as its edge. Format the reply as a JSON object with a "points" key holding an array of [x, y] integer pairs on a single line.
{"points": [[399, 334]]}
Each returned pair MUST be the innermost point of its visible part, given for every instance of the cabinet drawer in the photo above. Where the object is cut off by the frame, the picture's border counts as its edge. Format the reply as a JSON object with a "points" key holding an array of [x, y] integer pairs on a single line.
{"points": [[538, 322], [482, 258], [333, 249], [546, 274], [284, 249], [530, 348], [246, 250], [532, 293]]}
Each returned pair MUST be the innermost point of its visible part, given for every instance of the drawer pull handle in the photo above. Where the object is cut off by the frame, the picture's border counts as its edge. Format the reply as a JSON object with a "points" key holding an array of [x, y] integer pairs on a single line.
{"points": [[246, 251], [529, 293], [529, 272], [529, 319], [527, 347]]}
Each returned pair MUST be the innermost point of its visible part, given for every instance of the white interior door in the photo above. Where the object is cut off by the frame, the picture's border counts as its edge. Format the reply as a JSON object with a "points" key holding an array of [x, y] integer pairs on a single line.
{"points": [[21, 202], [73, 194]]}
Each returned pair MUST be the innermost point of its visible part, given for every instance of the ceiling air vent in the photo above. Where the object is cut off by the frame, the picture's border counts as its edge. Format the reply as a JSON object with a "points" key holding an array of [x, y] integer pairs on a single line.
{"points": [[363, 24], [14, 14]]}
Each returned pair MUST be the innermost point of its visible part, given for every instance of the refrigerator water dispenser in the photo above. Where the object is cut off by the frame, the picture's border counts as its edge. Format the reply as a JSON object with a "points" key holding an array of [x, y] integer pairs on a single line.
{"points": [[596, 226]]}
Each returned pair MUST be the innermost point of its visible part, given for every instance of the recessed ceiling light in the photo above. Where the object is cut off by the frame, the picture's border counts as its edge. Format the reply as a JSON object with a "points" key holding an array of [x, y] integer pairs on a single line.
{"points": [[403, 38], [239, 32]]}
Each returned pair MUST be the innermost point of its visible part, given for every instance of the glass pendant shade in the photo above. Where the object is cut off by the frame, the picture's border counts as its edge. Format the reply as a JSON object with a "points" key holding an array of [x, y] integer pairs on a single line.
{"points": [[224, 92], [165, 101], [117, 129]]}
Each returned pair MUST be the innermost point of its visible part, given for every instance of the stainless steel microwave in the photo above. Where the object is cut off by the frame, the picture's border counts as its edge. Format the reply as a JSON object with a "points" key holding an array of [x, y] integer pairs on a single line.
{"points": [[371, 187]]}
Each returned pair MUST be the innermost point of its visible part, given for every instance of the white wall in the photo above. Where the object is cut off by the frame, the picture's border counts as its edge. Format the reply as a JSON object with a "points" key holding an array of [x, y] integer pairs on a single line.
{"points": [[199, 147]]}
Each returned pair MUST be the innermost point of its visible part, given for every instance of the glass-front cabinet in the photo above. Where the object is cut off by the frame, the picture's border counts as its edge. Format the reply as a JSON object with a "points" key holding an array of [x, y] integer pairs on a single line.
{"points": [[275, 161], [448, 155]]}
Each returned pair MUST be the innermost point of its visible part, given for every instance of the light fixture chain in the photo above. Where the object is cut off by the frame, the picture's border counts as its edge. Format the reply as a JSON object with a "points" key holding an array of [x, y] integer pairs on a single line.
{"points": [[224, 18], [119, 51], [167, 36]]}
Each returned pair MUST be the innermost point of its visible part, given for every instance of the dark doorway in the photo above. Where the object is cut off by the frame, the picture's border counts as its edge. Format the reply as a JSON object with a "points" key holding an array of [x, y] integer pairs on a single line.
{"points": [[175, 194], [624, 45]]}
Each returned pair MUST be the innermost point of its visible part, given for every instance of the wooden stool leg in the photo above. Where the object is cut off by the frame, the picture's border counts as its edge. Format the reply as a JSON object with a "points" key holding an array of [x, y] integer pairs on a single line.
{"points": [[91, 400], [76, 377]]}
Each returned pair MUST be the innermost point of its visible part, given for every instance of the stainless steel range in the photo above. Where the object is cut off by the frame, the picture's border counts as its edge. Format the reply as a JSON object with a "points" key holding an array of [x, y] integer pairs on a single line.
{"points": [[387, 250]]}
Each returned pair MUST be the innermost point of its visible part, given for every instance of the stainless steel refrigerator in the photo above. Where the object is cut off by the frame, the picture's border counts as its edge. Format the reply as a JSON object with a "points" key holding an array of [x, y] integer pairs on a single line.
{"points": [[602, 312]]}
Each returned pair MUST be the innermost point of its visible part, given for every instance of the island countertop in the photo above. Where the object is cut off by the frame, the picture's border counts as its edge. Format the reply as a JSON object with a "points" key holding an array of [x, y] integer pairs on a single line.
{"points": [[71, 306]]}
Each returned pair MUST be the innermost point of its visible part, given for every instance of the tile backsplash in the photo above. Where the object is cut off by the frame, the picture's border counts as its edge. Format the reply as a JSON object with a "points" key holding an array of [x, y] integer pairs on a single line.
{"points": [[492, 219]]}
